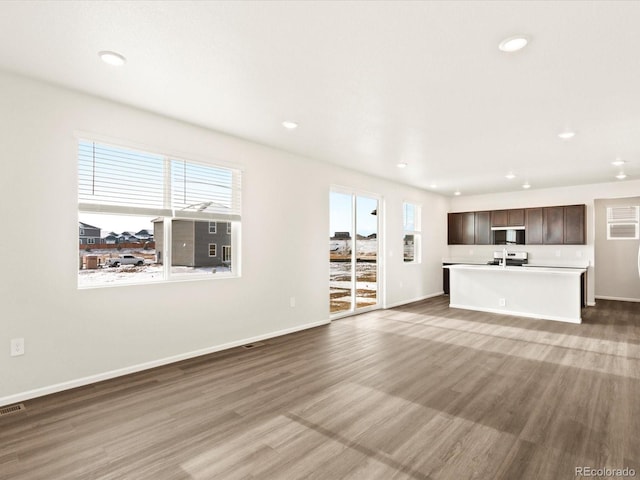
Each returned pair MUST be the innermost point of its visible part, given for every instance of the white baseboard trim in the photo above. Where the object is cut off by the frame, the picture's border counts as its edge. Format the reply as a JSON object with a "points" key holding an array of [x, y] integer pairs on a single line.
{"points": [[518, 314], [619, 299], [405, 302], [80, 382]]}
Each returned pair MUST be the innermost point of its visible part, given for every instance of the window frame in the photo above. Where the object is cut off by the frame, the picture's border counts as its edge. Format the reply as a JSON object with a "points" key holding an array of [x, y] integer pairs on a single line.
{"points": [[215, 250], [214, 230], [234, 174], [416, 232]]}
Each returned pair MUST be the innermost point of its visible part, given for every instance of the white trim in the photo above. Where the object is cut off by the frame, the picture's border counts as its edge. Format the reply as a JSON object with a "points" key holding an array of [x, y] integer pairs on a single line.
{"points": [[517, 314], [619, 299], [59, 387], [215, 250]]}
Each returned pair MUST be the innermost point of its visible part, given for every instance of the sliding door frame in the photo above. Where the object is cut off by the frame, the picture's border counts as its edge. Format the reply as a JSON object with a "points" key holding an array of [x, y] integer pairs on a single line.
{"points": [[355, 193]]}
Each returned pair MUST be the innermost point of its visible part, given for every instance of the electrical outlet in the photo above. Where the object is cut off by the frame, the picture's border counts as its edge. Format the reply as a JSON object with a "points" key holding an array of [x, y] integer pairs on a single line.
{"points": [[557, 253], [17, 347], [579, 253], [292, 302], [502, 302]]}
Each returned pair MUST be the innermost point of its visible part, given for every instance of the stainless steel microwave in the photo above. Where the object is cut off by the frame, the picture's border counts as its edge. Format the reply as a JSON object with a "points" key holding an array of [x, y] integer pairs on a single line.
{"points": [[508, 235]]}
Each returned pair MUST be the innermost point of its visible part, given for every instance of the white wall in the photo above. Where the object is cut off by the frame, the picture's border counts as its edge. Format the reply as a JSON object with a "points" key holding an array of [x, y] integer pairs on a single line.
{"points": [[553, 254], [74, 336]]}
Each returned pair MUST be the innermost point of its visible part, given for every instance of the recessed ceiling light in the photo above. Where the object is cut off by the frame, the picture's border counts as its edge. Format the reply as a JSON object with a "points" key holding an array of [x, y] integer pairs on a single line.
{"points": [[457, 192], [566, 135], [402, 165], [618, 162], [433, 185], [513, 44], [288, 124], [112, 58], [510, 176], [621, 176], [526, 185]]}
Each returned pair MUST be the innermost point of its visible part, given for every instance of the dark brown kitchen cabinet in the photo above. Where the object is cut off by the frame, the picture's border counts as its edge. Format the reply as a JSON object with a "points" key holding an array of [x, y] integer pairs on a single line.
{"points": [[553, 225], [533, 226], [461, 228], [561, 225], [507, 218], [454, 221], [499, 218], [515, 217], [468, 228], [483, 228], [574, 225]]}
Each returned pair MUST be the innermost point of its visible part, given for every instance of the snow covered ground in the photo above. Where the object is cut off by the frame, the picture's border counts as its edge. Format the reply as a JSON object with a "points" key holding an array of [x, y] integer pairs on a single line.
{"points": [[142, 274]]}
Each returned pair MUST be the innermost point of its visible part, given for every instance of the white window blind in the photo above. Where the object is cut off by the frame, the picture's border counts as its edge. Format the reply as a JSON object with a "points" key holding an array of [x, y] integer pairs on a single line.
{"points": [[124, 181], [622, 223]]}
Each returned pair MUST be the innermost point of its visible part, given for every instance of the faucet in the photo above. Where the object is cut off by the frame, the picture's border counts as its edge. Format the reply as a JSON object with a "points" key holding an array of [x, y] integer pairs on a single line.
{"points": [[504, 257]]}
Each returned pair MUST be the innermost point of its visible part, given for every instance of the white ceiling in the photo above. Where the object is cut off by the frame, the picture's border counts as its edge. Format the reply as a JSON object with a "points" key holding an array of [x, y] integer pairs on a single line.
{"points": [[370, 83]]}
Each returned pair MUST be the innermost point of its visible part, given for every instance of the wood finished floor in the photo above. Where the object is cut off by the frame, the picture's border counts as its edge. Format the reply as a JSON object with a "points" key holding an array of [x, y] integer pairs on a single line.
{"points": [[416, 392]]}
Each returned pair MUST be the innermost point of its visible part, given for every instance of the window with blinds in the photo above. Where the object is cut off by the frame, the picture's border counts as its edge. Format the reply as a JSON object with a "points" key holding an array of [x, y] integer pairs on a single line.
{"points": [[157, 208], [411, 227], [622, 222]]}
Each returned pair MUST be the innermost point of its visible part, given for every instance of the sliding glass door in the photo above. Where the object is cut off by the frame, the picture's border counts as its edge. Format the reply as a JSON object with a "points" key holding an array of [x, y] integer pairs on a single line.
{"points": [[353, 252]]}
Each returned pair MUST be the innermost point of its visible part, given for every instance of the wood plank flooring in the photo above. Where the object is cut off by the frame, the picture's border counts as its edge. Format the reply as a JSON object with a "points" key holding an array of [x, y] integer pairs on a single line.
{"points": [[416, 392]]}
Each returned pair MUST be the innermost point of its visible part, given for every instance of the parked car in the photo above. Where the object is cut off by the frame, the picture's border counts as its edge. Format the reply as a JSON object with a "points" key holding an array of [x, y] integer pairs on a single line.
{"points": [[125, 260]]}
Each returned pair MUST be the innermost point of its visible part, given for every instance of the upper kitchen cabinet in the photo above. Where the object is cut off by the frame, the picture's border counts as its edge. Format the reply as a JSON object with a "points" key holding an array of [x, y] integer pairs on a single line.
{"points": [[461, 228], [533, 226], [564, 225], [574, 225], [553, 225], [454, 223], [507, 218], [483, 228]]}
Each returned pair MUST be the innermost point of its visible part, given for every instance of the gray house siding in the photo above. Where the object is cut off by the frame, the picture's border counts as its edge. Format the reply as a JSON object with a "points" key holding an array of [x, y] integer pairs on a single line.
{"points": [[190, 243], [202, 240], [88, 234]]}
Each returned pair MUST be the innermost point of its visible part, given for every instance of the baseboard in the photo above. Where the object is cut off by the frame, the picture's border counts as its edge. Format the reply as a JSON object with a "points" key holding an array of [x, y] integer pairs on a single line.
{"points": [[80, 382], [405, 302], [517, 314], [618, 299]]}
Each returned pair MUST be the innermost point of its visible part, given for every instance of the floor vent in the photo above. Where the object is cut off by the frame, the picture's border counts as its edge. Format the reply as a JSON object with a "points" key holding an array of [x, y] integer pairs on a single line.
{"points": [[249, 346], [12, 409]]}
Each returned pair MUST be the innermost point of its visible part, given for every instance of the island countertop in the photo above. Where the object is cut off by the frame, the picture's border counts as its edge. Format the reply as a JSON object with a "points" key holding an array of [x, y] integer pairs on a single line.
{"points": [[520, 269], [550, 293]]}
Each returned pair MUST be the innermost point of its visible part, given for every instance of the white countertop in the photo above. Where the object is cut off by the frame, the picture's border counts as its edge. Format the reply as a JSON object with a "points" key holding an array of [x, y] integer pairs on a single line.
{"points": [[583, 265], [524, 269]]}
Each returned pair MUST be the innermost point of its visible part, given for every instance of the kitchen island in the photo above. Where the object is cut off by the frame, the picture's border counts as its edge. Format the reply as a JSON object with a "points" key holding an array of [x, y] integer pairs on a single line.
{"points": [[548, 293]]}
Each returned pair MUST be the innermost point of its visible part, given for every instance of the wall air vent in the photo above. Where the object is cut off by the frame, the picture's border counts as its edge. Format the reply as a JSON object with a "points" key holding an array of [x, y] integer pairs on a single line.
{"points": [[622, 223], [8, 410]]}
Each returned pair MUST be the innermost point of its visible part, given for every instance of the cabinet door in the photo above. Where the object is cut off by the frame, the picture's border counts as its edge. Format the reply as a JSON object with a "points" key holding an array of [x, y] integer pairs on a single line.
{"points": [[468, 228], [553, 225], [483, 228], [533, 226], [454, 221], [516, 217], [499, 218], [574, 225]]}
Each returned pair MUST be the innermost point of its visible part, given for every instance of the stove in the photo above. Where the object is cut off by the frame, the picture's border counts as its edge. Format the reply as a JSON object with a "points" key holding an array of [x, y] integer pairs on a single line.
{"points": [[513, 258]]}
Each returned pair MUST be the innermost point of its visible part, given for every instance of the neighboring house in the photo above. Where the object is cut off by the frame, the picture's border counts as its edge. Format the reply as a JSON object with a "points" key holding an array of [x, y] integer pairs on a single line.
{"points": [[110, 239], [341, 236], [89, 235], [195, 243], [144, 235], [128, 237]]}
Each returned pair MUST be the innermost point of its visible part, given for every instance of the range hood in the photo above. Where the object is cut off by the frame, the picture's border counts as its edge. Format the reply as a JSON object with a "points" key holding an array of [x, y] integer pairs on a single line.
{"points": [[520, 227]]}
